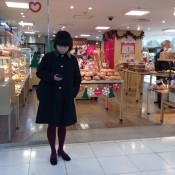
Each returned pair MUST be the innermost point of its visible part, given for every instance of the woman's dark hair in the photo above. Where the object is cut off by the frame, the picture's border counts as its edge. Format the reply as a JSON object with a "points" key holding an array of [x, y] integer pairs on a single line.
{"points": [[63, 38]]}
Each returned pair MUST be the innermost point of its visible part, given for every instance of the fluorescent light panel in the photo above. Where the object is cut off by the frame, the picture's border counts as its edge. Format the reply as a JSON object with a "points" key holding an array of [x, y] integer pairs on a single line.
{"points": [[102, 27], [29, 32], [169, 30], [85, 35], [25, 23], [17, 5], [137, 12]]}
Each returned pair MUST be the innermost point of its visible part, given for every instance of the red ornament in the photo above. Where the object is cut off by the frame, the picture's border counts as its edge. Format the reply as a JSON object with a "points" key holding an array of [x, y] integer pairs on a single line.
{"points": [[98, 92], [81, 88], [116, 87], [35, 6]]}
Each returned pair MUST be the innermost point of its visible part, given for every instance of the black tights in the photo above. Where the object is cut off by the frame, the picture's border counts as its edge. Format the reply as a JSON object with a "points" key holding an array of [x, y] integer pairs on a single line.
{"points": [[51, 135]]}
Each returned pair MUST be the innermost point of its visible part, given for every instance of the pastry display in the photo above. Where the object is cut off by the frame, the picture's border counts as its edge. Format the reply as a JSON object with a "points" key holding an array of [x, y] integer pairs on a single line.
{"points": [[170, 54]]}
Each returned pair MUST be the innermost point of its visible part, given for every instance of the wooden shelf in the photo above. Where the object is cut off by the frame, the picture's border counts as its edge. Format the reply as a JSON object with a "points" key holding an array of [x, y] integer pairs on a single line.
{"points": [[165, 59]]}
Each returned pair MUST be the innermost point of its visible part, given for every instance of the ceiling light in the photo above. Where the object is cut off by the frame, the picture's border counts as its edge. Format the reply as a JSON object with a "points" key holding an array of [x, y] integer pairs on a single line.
{"points": [[90, 8], [96, 42], [17, 5], [76, 36], [102, 27], [85, 35], [23, 16], [22, 13], [163, 21], [137, 12], [25, 23], [29, 32], [169, 30], [127, 27], [71, 7], [97, 37], [174, 13], [149, 28]]}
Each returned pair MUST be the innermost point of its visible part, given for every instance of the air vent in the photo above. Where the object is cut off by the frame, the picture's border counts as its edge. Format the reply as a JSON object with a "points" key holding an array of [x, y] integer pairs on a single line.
{"points": [[141, 20], [82, 16]]}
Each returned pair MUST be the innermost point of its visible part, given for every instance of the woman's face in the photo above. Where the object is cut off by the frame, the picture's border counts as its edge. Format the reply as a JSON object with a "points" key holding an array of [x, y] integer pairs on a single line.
{"points": [[62, 49]]}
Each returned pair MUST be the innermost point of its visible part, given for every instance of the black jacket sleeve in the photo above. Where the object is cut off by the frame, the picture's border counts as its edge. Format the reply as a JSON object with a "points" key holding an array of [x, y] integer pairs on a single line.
{"points": [[43, 72], [77, 77]]}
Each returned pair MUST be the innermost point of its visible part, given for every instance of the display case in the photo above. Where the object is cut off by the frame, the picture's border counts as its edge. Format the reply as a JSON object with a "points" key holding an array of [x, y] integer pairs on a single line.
{"points": [[14, 73]]}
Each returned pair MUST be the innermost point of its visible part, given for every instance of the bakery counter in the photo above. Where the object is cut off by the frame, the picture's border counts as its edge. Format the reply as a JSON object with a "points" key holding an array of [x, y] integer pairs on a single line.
{"points": [[21, 96], [107, 83]]}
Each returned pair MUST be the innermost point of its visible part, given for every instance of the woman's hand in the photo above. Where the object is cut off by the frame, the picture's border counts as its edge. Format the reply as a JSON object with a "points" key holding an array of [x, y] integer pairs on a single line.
{"points": [[57, 78]]}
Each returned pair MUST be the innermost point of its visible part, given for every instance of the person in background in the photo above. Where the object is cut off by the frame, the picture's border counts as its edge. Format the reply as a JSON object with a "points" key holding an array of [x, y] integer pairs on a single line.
{"points": [[59, 70], [162, 66]]}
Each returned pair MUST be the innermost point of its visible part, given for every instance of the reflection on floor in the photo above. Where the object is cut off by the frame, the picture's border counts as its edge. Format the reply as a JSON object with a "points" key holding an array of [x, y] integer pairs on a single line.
{"points": [[93, 115]]}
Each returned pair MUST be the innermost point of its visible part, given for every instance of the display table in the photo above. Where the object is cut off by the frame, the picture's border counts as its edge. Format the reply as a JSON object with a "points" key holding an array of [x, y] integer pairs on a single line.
{"points": [[140, 80], [121, 82], [168, 103], [164, 97]]}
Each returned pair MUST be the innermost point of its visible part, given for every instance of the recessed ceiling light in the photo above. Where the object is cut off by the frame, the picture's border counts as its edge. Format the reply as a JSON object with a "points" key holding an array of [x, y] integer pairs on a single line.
{"points": [[169, 30], [127, 27], [138, 28], [76, 36], [22, 13], [102, 27], [23, 16], [149, 28], [86, 35], [163, 21], [29, 32], [174, 13], [137, 12], [97, 37], [71, 7], [90, 8], [17, 5], [96, 42], [25, 23]]}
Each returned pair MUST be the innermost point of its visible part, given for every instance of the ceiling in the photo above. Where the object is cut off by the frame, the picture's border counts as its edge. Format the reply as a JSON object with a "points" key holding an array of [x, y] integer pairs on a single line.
{"points": [[80, 20]]}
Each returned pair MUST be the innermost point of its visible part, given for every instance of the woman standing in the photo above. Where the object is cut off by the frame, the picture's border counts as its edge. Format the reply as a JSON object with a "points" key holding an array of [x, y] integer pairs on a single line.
{"points": [[60, 76]]}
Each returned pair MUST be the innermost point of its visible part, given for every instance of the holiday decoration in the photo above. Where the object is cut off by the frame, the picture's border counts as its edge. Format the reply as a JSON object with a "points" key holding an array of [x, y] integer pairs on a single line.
{"points": [[81, 88], [111, 93], [117, 87], [85, 95], [111, 34], [105, 91], [35, 6], [18, 37], [34, 62], [98, 92], [90, 91]]}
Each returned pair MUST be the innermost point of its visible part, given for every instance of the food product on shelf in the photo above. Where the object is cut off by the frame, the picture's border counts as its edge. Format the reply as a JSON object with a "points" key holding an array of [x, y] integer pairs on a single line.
{"points": [[170, 54]]}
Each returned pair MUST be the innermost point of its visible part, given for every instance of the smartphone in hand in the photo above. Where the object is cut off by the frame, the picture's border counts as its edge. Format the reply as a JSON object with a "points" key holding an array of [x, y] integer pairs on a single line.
{"points": [[59, 75]]}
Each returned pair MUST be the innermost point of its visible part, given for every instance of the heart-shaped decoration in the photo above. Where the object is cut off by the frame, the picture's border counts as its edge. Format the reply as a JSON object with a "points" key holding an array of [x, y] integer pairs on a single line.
{"points": [[81, 89], [98, 92], [35, 6]]}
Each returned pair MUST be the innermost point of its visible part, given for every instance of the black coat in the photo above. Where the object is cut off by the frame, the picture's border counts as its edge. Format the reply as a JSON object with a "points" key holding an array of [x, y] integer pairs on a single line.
{"points": [[56, 105]]}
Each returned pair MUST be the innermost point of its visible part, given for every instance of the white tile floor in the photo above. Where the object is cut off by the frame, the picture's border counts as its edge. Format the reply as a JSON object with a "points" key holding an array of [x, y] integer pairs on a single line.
{"points": [[154, 156]]}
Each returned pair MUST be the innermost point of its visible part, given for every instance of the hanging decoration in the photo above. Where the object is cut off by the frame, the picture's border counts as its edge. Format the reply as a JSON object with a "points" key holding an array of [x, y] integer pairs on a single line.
{"points": [[111, 93], [116, 87], [111, 34], [81, 88], [85, 94], [90, 91], [35, 6], [34, 62], [18, 37], [105, 91], [98, 92]]}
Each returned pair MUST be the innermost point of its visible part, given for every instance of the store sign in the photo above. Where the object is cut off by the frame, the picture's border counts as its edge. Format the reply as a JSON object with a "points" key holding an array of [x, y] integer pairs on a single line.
{"points": [[90, 50], [79, 42]]}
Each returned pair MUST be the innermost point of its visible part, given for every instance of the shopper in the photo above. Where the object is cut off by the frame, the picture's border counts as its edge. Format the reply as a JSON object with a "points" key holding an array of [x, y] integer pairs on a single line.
{"points": [[162, 66], [60, 77]]}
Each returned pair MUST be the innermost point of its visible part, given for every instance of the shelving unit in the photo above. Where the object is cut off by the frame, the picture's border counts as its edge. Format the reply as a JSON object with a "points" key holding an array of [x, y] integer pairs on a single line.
{"points": [[14, 83]]}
